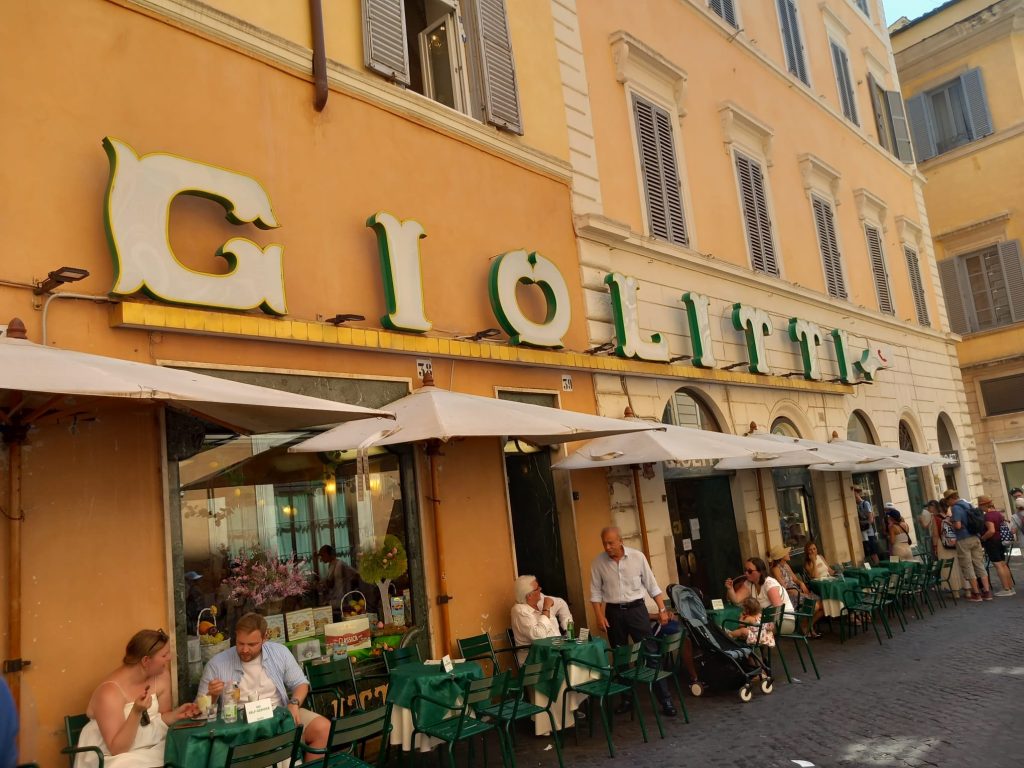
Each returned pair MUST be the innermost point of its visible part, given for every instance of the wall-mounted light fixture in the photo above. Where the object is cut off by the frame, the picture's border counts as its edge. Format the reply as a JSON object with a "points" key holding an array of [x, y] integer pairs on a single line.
{"points": [[608, 346], [59, 277], [486, 333]]}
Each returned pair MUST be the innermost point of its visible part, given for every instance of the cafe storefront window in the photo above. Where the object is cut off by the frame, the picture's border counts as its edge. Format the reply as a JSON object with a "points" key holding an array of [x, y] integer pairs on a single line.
{"points": [[246, 507]]}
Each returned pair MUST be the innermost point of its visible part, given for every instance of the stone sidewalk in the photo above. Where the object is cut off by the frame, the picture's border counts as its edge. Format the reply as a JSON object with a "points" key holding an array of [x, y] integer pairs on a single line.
{"points": [[944, 693]]}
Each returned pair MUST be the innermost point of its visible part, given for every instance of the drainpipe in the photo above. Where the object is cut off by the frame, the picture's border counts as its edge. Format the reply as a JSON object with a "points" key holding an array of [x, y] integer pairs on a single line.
{"points": [[316, 17]]}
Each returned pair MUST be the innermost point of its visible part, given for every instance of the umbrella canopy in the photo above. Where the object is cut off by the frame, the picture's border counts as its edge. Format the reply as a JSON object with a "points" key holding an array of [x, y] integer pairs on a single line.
{"points": [[430, 413], [816, 455], [906, 459], [670, 443], [36, 376]]}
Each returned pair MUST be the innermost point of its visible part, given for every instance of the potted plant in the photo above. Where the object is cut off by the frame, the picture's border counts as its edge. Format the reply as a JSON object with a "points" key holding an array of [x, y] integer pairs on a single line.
{"points": [[267, 579], [379, 564]]}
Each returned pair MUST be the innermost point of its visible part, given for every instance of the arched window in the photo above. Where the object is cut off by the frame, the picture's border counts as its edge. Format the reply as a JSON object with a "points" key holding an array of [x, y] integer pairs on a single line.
{"points": [[906, 437], [857, 429], [783, 426], [688, 409]]}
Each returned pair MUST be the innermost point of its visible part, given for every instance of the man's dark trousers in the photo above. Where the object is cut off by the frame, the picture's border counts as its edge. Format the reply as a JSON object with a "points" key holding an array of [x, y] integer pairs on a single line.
{"points": [[630, 620]]}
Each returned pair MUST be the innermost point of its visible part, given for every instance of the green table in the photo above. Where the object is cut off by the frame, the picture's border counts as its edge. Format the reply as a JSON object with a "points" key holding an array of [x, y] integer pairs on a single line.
{"points": [[832, 592], [865, 576], [411, 680], [592, 652], [207, 746]]}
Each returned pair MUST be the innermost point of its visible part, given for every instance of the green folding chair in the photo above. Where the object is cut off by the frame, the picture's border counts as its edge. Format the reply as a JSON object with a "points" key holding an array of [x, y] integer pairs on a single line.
{"points": [[804, 615], [280, 750], [350, 735], [73, 725], [480, 648], [460, 723], [399, 656], [332, 685]]}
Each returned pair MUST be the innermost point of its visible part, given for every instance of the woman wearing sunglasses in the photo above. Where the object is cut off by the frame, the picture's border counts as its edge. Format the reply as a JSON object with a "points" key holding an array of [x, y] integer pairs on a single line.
{"points": [[130, 710], [768, 592]]}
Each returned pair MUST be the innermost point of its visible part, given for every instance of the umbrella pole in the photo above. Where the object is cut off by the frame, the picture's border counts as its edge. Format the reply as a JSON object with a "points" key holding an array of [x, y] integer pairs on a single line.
{"points": [[846, 520], [640, 511], [443, 598], [764, 509], [14, 521]]}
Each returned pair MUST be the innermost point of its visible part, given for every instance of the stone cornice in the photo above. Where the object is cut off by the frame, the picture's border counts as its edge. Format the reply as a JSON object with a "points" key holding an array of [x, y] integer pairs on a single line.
{"points": [[630, 53]]}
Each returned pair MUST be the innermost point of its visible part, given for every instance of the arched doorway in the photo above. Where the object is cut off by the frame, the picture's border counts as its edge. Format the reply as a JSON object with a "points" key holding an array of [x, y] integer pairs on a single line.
{"points": [[916, 492], [707, 547], [859, 429], [794, 496], [949, 449]]}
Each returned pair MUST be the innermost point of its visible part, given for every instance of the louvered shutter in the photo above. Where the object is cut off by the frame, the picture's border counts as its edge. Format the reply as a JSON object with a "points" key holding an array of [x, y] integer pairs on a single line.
{"points": [[955, 306], [500, 91], [904, 151], [659, 171], [921, 128], [828, 244], [754, 202], [863, 5], [878, 271], [384, 47], [791, 38], [725, 9], [1009, 256], [878, 108], [841, 63], [916, 285], [977, 104]]}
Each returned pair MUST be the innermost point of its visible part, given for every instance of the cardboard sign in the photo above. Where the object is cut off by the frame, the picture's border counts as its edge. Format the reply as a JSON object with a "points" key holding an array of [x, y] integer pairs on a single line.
{"points": [[322, 616], [305, 650], [717, 604], [446, 663], [275, 628], [259, 710], [584, 634], [352, 633]]}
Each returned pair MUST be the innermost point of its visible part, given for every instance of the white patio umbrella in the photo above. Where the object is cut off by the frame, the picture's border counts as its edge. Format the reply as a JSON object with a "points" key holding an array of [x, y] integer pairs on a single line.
{"points": [[672, 443], [434, 416], [43, 383], [899, 459], [822, 456]]}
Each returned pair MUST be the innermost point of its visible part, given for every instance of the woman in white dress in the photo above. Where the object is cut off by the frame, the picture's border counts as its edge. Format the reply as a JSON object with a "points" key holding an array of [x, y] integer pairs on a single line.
{"points": [[130, 710]]}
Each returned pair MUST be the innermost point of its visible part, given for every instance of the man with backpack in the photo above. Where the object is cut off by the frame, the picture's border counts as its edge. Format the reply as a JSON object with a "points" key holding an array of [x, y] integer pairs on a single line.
{"points": [[969, 523]]}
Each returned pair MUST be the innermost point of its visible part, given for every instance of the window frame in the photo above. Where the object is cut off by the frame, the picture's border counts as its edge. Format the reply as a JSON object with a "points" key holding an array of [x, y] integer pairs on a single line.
{"points": [[738, 25], [633, 95], [955, 269]]}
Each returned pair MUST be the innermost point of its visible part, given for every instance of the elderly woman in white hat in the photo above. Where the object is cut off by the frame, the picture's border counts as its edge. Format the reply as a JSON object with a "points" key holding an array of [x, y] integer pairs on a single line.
{"points": [[778, 559]]}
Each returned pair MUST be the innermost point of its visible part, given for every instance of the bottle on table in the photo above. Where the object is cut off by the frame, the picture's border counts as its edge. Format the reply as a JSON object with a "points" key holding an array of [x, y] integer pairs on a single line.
{"points": [[229, 703], [569, 629]]}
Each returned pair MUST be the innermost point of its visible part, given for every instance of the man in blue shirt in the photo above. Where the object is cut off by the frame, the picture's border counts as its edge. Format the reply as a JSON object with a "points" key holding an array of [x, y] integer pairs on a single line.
{"points": [[8, 727], [969, 552], [264, 670]]}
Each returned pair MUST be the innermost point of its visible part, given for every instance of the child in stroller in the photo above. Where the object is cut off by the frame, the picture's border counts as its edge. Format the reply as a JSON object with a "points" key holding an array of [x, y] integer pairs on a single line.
{"points": [[721, 662]]}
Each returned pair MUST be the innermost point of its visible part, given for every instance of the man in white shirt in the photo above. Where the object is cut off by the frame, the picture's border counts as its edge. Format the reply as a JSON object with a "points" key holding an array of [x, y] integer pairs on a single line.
{"points": [[619, 578], [533, 614], [265, 671]]}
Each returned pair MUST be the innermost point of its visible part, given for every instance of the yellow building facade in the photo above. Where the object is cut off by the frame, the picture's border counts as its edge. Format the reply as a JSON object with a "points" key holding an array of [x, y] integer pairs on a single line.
{"points": [[748, 165], [961, 67]]}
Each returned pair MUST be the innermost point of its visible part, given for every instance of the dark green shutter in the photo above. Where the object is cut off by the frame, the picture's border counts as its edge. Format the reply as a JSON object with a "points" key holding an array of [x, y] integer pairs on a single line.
{"points": [[878, 270], [828, 244], [500, 90], [384, 46]]}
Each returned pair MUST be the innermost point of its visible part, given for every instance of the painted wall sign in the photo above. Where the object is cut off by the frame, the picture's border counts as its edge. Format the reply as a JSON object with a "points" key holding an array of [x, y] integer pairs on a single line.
{"points": [[142, 188], [507, 272], [137, 212]]}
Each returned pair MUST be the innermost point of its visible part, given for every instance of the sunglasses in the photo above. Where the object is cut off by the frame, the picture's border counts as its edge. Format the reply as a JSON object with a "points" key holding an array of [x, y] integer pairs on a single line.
{"points": [[161, 639], [750, 570]]}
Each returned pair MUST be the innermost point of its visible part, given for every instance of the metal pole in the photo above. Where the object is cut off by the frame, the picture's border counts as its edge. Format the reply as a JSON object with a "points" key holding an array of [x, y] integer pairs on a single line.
{"points": [[764, 510], [640, 511], [14, 521], [443, 598], [846, 517]]}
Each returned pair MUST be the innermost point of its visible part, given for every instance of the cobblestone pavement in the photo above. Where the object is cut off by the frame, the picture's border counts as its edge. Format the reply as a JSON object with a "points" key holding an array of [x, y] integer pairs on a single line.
{"points": [[944, 693]]}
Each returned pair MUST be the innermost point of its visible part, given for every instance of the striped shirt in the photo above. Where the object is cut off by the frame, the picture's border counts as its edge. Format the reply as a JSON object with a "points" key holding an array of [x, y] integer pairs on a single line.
{"points": [[622, 581], [278, 663]]}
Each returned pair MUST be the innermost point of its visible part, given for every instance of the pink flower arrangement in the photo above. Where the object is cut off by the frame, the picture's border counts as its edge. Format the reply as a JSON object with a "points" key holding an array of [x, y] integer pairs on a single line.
{"points": [[261, 577]]}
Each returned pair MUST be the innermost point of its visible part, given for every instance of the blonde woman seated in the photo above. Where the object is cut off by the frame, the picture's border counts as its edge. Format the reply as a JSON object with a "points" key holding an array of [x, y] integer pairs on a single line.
{"points": [[815, 566], [795, 586], [532, 615], [131, 709]]}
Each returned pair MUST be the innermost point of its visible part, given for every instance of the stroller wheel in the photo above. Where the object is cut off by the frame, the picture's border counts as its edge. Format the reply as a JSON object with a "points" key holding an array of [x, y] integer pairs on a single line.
{"points": [[697, 689], [746, 694], [767, 685]]}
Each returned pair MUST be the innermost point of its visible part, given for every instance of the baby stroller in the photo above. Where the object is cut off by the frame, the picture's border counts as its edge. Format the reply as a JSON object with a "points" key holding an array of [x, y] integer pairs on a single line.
{"points": [[721, 662]]}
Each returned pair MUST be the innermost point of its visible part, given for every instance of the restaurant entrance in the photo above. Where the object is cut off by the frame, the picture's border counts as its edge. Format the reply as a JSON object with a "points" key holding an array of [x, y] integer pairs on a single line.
{"points": [[873, 493], [704, 531], [531, 498]]}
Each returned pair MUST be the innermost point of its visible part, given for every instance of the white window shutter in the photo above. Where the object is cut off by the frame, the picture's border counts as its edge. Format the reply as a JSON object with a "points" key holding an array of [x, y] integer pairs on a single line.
{"points": [[828, 244], [500, 89], [904, 151], [1009, 256], [384, 47], [956, 308], [921, 128], [878, 270], [977, 104], [917, 285]]}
